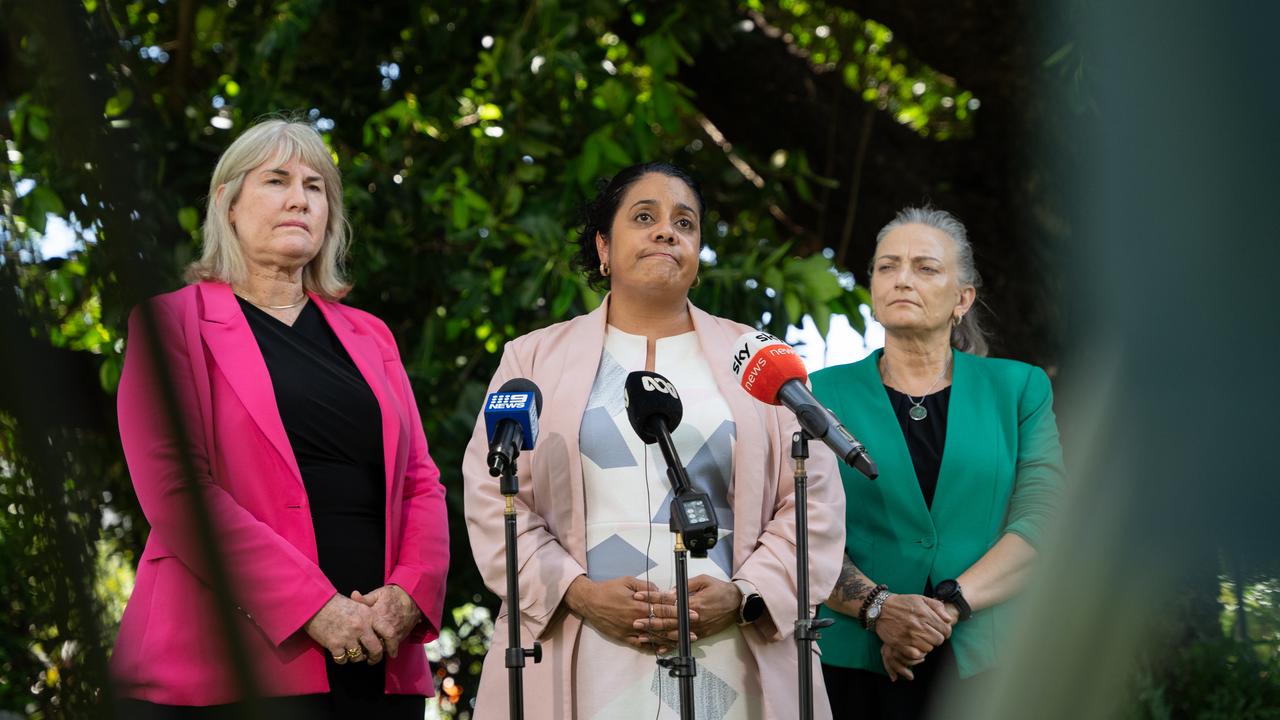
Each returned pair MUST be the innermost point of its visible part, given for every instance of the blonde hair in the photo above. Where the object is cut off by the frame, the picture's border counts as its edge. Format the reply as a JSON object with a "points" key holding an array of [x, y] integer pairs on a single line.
{"points": [[281, 139]]}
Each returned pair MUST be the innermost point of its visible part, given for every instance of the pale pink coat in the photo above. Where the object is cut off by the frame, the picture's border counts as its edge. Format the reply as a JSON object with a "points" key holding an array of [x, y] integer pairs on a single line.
{"points": [[562, 360], [169, 648]]}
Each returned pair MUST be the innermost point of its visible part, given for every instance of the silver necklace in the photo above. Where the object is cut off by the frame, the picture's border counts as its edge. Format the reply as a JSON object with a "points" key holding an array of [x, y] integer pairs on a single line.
{"points": [[918, 411], [273, 307]]}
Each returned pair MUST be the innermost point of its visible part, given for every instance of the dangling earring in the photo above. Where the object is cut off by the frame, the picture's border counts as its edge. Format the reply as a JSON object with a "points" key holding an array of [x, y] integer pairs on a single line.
{"points": [[956, 321], [604, 269]]}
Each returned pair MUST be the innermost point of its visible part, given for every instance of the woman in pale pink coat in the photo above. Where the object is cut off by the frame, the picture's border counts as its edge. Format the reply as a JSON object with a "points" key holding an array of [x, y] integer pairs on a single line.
{"points": [[297, 431], [595, 571]]}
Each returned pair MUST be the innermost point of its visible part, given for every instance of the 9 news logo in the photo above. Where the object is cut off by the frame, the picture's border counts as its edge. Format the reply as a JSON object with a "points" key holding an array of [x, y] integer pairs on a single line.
{"points": [[508, 401]]}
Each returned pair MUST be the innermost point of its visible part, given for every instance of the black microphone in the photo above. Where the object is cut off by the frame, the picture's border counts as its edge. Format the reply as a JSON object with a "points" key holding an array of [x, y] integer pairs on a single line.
{"points": [[654, 410], [511, 419]]}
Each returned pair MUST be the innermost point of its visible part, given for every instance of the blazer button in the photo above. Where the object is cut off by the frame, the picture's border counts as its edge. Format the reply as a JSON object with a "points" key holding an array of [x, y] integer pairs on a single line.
{"points": [[927, 542]]}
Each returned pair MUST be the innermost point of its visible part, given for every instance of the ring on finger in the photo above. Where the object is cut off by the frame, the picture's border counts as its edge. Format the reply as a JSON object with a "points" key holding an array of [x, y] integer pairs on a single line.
{"points": [[354, 653]]}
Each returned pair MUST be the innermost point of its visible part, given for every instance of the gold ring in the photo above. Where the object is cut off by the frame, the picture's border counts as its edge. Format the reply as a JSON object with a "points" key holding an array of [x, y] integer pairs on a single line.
{"points": [[354, 653], [338, 657]]}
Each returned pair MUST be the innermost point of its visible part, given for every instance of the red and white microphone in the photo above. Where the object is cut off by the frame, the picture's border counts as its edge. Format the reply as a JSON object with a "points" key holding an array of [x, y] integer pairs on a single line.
{"points": [[772, 372]]}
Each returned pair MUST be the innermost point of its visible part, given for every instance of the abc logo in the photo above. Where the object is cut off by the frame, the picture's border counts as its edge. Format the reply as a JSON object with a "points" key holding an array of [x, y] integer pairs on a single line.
{"points": [[657, 384]]}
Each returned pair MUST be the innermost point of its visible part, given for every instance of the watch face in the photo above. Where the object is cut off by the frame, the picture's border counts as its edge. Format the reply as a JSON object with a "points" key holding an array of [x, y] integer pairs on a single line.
{"points": [[874, 612], [753, 608], [946, 590]]}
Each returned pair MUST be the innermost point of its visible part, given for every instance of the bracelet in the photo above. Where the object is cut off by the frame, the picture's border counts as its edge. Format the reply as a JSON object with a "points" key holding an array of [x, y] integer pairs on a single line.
{"points": [[866, 604]]}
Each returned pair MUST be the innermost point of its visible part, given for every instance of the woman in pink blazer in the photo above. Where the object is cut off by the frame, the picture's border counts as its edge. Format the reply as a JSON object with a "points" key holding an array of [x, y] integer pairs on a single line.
{"points": [[595, 579], [297, 438]]}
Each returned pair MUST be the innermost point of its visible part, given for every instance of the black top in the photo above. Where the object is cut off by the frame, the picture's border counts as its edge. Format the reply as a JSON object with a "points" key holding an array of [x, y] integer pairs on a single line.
{"points": [[925, 438], [334, 425]]}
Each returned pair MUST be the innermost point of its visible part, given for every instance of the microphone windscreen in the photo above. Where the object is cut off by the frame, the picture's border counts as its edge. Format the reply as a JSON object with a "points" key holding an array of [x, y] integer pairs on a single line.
{"points": [[648, 397], [524, 385], [763, 364], [519, 400]]}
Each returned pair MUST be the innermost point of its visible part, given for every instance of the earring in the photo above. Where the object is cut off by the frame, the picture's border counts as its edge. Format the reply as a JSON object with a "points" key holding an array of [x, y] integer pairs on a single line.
{"points": [[955, 322], [604, 269], [697, 282]]}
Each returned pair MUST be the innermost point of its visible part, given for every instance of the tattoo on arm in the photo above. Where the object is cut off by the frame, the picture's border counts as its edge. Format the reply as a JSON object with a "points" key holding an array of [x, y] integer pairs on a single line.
{"points": [[851, 588]]}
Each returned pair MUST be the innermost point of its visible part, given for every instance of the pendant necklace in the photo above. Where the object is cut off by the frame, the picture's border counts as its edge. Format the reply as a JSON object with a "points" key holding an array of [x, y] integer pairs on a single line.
{"points": [[918, 411]]}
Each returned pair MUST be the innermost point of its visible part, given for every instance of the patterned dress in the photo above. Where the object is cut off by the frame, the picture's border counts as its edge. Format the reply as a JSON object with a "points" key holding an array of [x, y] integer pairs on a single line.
{"points": [[627, 513]]}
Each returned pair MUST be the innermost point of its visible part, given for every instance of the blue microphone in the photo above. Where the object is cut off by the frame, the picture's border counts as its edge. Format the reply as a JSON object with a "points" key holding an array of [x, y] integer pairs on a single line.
{"points": [[511, 420]]}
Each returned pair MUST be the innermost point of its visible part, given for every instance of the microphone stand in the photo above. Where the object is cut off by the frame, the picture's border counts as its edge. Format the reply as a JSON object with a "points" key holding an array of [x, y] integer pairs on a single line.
{"points": [[806, 629], [682, 666], [516, 653]]}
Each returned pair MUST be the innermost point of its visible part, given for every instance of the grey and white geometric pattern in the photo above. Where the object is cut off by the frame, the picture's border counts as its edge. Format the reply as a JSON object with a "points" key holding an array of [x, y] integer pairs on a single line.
{"points": [[609, 377], [599, 440], [709, 472], [712, 696], [722, 553], [615, 558], [623, 486]]}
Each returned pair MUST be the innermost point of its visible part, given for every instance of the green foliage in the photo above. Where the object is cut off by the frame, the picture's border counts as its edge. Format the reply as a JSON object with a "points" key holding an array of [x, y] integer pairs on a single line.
{"points": [[1232, 673], [1218, 680], [836, 39]]}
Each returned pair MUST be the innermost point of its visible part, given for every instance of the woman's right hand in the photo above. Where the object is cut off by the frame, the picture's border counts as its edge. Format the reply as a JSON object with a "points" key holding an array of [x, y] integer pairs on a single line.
{"points": [[913, 625], [344, 624], [611, 607]]}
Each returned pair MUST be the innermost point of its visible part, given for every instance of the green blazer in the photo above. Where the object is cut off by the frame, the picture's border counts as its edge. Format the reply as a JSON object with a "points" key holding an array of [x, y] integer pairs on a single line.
{"points": [[1001, 473]]}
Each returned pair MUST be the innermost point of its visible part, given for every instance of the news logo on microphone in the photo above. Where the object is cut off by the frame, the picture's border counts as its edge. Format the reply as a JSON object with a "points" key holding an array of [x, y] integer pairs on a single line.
{"points": [[520, 407], [762, 363]]}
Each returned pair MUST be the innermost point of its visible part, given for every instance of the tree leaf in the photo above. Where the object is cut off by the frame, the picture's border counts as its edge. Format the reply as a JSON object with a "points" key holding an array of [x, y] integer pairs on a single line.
{"points": [[117, 104]]}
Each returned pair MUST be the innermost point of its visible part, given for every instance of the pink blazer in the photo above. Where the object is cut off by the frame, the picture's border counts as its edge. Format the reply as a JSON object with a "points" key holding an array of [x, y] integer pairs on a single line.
{"points": [[562, 360], [169, 648]]}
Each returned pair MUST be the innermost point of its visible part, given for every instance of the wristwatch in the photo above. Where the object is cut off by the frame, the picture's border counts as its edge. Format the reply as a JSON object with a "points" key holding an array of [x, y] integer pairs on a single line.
{"points": [[752, 607], [873, 612], [948, 591]]}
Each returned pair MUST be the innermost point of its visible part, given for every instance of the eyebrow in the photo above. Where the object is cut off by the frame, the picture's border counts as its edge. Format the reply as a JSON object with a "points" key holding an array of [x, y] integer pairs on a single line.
{"points": [[679, 206], [285, 173], [918, 257]]}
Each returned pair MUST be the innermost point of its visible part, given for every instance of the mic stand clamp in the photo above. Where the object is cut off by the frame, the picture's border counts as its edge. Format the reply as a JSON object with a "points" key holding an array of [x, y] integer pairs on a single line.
{"points": [[516, 653], [807, 628]]}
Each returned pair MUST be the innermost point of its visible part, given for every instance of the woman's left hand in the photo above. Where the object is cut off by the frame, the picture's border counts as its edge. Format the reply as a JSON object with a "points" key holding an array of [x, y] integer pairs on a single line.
{"points": [[713, 606], [897, 664], [394, 614], [716, 602]]}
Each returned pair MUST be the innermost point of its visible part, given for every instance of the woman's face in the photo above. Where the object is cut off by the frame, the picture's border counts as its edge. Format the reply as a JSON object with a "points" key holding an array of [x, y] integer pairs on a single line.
{"points": [[281, 214], [655, 238], [914, 288]]}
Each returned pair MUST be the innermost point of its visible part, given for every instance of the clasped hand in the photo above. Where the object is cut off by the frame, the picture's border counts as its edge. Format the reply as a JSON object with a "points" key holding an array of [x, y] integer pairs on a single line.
{"points": [[370, 625], [911, 626], [634, 611]]}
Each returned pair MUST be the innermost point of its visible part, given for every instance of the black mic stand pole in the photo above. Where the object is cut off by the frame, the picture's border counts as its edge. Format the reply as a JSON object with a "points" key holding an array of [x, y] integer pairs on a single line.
{"points": [[806, 627], [682, 667], [516, 653]]}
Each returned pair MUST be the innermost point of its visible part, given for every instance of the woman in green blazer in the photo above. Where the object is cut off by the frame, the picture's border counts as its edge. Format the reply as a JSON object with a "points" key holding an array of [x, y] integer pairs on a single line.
{"points": [[970, 474]]}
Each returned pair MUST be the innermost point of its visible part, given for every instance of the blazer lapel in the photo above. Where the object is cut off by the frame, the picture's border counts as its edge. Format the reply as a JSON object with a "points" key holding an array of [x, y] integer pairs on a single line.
{"points": [[881, 432], [579, 360], [230, 340], [967, 443], [369, 360]]}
